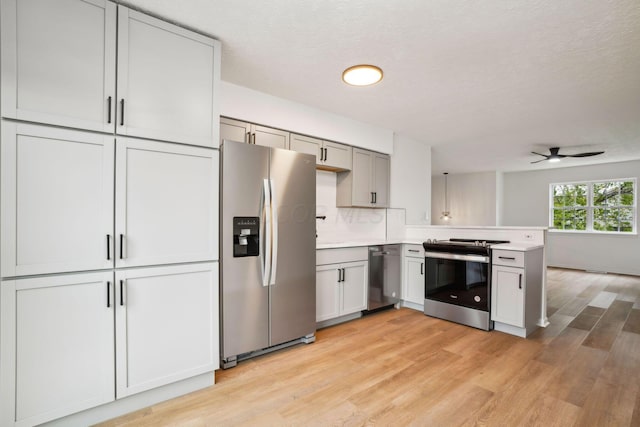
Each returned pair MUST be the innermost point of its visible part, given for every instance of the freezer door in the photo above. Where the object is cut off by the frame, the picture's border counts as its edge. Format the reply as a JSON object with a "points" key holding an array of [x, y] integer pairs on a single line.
{"points": [[293, 281], [244, 300]]}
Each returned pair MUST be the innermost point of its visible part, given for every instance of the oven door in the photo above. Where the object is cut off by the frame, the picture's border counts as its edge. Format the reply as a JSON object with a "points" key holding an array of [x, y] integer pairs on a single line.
{"points": [[458, 279]]}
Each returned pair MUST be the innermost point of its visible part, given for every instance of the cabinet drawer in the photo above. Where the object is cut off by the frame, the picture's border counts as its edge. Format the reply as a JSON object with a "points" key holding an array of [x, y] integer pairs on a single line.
{"points": [[509, 258], [416, 251], [341, 255]]}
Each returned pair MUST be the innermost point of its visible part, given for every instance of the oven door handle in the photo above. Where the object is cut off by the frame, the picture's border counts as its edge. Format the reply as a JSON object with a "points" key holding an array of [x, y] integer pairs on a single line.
{"points": [[460, 257]]}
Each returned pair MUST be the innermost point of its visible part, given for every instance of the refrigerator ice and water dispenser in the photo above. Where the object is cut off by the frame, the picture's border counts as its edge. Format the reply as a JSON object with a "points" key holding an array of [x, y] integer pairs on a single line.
{"points": [[246, 239]]}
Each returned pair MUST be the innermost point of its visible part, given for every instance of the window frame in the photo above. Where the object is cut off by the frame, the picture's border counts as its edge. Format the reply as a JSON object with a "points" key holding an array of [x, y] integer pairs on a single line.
{"points": [[590, 207]]}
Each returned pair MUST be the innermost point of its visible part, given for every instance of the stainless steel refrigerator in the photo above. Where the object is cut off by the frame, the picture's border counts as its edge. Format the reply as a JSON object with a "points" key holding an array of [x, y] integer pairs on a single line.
{"points": [[267, 235]]}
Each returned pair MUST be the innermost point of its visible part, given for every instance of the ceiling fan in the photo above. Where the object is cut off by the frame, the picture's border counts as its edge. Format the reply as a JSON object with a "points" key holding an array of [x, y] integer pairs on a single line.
{"points": [[554, 156]]}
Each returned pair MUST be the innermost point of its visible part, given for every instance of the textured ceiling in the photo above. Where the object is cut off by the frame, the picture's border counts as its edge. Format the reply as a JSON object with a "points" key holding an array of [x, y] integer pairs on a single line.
{"points": [[482, 82]]}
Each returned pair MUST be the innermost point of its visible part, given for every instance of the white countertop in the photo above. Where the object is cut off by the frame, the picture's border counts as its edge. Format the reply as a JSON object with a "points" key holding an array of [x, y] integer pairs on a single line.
{"points": [[517, 246], [356, 243], [513, 246]]}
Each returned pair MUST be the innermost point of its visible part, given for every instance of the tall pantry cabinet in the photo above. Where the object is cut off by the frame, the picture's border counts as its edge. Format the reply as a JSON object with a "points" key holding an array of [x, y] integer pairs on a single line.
{"points": [[108, 211]]}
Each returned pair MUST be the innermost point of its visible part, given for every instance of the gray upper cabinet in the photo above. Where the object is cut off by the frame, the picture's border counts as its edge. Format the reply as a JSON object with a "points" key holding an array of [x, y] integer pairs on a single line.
{"points": [[234, 130], [59, 68], [250, 133], [329, 155], [367, 184], [59, 63]]}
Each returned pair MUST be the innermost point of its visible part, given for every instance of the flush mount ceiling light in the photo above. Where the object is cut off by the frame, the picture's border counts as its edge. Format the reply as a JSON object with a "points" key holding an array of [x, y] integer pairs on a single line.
{"points": [[362, 75]]}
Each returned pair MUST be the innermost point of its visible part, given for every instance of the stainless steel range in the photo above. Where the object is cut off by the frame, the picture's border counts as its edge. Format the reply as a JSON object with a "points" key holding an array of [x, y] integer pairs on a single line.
{"points": [[458, 280]]}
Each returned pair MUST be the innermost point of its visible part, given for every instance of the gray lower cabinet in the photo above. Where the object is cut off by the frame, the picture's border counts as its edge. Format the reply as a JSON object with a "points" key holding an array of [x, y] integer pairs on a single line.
{"points": [[341, 282], [413, 275], [76, 341], [237, 130], [516, 290], [330, 156], [367, 183]]}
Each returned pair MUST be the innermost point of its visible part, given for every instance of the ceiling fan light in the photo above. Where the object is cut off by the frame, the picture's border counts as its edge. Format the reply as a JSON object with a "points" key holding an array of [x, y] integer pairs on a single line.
{"points": [[362, 75], [554, 159]]}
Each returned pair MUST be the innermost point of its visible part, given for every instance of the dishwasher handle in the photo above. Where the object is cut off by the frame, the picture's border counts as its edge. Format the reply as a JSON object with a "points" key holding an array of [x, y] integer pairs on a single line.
{"points": [[383, 253]]}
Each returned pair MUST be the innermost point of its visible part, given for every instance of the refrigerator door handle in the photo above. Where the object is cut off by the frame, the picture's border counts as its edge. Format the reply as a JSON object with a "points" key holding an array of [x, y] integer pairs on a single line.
{"points": [[266, 241], [274, 235]]}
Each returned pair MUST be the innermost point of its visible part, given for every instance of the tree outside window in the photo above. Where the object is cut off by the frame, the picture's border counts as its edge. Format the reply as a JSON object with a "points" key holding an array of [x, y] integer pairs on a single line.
{"points": [[598, 206]]}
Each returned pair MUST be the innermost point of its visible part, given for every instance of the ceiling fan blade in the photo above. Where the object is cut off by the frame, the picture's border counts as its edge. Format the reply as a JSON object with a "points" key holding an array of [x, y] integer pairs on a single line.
{"points": [[593, 153], [538, 161], [543, 155]]}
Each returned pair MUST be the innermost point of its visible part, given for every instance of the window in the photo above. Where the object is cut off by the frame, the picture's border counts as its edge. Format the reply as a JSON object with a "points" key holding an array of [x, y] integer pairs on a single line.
{"points": [[594, 206]]}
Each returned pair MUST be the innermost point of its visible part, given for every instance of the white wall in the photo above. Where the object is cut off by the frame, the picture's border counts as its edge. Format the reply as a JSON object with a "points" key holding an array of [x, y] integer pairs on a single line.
{"points": [[411, 179], [258, 107], [472, 199], [526, 203]]}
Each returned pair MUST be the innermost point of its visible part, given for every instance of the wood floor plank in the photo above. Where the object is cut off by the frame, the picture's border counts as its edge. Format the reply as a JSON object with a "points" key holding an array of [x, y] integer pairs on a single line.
{"points": [[559, 349], [622, 365], [511, 405], [611, 401], [576, 375], [633, 322], [550, 412], [604, 333]]}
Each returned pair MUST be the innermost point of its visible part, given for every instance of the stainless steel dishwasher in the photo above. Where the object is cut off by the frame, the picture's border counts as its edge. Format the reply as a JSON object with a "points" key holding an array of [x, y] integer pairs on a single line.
{"points": [[385, 263]]}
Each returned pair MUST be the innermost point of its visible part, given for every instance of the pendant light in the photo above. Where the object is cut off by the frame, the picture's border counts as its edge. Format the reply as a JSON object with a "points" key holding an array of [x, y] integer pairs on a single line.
{"points": [[445, 213]]}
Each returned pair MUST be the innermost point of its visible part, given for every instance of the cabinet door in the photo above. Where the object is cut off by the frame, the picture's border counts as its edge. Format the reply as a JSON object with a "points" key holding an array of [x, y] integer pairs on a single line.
{"points": [[307, 145], [414, 280], [507, 295], [381, 171], [166, 325], [268, 137], [338, 156], [166, 203], [167, 79], [234, 130], [327, 292], [57, 200], [57, 346], [362, 174], [58, 62], [354, 287]]}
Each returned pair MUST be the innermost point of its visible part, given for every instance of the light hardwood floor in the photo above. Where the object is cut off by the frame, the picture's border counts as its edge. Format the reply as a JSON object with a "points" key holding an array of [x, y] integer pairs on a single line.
{"points": [[400, 367]]}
